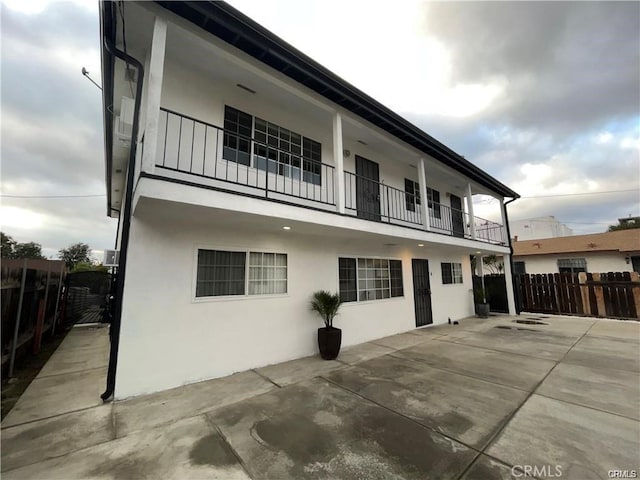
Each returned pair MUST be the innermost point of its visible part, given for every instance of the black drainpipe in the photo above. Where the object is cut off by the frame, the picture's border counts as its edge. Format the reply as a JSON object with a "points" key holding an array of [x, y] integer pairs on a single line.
{"points": [[513, 283], [126, 223]]}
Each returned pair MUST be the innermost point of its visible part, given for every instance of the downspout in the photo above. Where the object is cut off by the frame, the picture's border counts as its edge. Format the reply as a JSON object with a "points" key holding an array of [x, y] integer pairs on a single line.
{"points": [[513, 283], [126, 223]]}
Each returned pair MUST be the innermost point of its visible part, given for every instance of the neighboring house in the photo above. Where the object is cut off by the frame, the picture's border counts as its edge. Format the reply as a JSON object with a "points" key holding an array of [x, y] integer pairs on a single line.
{"points": [[538, 227], [258, 178], [617, 251]]}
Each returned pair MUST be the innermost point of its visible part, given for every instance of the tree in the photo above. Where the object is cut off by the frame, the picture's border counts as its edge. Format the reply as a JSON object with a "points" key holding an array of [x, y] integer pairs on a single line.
{"points": [[13, 249], [625, 224], [28, 250], [74, 254], [8, 245], [493, 264], [89, 267]]}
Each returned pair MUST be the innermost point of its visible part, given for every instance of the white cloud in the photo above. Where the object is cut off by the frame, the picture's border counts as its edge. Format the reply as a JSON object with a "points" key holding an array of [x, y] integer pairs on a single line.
{"points": [[34, 7], [630, 143], [21, 218], [604, 137], [382, 51]]}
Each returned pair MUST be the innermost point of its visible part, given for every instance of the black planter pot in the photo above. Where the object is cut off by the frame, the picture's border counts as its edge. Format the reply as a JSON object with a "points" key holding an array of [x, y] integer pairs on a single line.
{"points": [[482, 310], [329, 341]]}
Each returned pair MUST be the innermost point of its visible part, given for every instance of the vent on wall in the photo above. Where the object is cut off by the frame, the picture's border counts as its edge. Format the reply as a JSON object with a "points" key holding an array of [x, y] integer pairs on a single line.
{"points": [[111, 258]]}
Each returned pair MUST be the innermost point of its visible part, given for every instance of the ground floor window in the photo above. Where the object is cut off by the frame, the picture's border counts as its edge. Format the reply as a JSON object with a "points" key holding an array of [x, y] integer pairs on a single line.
{"points": [[519, 268], [572, 265], [224, 273], [362, 279], [451, 273], [267, 273]]}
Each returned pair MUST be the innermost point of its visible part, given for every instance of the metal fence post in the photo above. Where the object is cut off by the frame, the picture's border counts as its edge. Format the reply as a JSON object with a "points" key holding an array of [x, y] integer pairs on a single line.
{"points": [[14, 346], [55, 313]]}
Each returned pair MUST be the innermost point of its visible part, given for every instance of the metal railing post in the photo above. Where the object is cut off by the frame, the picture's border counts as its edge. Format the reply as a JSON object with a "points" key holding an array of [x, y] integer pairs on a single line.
{"points": [[386, 195], [266, 177]]}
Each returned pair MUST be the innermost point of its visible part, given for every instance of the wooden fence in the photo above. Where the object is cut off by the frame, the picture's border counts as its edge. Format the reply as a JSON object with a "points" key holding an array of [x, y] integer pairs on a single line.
{"points": [[613, 295]]}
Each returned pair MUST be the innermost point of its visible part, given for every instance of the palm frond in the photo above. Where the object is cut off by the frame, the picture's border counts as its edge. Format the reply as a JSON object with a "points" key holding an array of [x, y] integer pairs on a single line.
{"points": [[326, 304]]}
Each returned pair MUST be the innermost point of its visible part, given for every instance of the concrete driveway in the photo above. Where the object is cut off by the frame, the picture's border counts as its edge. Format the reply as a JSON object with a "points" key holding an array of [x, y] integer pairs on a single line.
{"points": [[560, 400]]}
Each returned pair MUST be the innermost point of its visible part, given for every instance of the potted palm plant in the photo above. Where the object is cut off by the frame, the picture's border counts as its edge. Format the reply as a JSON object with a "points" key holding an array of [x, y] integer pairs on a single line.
{"points": [[326, 304], [481, 304]]}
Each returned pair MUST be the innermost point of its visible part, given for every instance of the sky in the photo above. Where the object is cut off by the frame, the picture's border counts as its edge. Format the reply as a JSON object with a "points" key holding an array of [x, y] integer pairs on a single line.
{"points": [[544, 96]]}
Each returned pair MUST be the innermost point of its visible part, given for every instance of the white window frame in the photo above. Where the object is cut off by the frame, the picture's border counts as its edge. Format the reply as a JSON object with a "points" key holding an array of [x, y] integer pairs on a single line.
{"points": [[246, 296], [374, 257]]}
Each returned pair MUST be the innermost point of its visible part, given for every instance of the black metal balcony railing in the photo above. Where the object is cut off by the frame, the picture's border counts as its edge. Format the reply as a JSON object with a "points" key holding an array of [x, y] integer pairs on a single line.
{"points": [[191, 146], [188, 145], [490, 232], [448, 220], [373, 200]]}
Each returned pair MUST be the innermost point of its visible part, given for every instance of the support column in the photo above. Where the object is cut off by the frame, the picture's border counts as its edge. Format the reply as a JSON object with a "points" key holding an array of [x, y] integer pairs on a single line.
{"points": [[424, 199], [155, 73], [472, 218], [338, 160], [508, 280]]}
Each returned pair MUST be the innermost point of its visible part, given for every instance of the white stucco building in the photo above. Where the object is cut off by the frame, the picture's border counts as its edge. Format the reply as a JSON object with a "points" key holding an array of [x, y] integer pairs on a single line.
{"points": [[245, 176], [538, 227]]}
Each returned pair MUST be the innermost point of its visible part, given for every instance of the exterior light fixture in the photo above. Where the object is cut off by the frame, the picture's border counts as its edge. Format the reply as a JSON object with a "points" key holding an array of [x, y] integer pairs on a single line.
{"points": [[421, 244], [286, 228]]}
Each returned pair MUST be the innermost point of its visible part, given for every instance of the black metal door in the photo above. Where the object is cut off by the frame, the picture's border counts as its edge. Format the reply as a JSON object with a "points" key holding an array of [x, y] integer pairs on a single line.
{"points": [[422, 292], [367, 189], [457, 218]]}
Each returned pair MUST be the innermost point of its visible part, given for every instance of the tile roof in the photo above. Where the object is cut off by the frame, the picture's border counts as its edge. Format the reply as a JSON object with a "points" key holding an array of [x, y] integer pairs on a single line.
{"points": [[619, 241]]}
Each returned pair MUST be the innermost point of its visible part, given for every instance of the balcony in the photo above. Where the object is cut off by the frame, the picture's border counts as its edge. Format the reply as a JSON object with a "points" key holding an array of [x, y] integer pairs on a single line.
{"points": [[208, 155]]}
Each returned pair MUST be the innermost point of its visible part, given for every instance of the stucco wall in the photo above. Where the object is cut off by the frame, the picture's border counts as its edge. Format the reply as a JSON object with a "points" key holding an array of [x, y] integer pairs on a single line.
{"points": [[596, 263], [169, 338]]}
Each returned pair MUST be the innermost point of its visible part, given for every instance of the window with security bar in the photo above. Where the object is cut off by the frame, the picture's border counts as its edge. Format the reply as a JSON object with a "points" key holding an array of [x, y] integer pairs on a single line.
{"points": [[363, 279], [572, 265], [227, 273], [451, 273]]}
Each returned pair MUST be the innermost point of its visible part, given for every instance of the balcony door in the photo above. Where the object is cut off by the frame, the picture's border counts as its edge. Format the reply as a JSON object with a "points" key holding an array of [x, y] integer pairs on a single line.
{"points": [[457, 218], [367, 189]]}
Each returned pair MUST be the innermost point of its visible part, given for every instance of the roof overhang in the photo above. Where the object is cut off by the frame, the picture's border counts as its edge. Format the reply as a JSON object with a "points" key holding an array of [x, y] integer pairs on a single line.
{"points": [[107, 31]]}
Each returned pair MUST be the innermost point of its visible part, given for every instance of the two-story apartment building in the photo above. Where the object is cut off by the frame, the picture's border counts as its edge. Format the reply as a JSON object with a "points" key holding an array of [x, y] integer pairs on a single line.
{"points": [[246, 176]]}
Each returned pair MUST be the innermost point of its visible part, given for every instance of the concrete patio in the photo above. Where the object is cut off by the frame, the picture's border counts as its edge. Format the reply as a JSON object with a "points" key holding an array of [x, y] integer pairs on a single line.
{"points": [[469, 401]]}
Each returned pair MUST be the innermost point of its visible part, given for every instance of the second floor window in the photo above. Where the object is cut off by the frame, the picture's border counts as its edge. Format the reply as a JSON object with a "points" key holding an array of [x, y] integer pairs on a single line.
{"points": [[433, 197], [276, 149], [412, 194], [412, 197], [237, 136]]}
